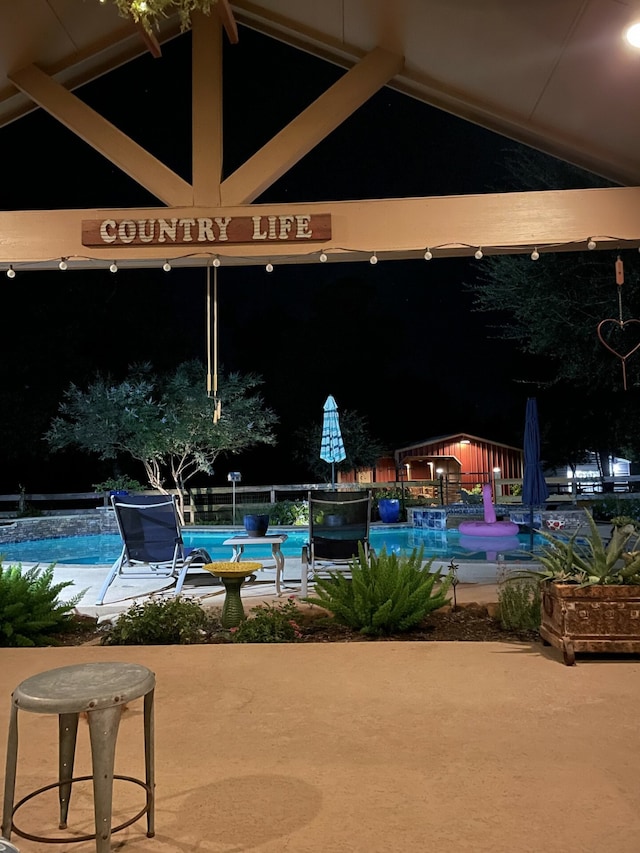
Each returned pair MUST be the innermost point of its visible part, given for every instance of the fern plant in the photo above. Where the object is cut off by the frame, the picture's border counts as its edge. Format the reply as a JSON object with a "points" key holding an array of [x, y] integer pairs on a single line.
{"points": [[388, 594], [31, 613]]}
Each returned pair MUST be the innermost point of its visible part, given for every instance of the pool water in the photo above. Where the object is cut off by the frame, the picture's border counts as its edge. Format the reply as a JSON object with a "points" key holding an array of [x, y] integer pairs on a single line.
{"points": [[104, 549]]}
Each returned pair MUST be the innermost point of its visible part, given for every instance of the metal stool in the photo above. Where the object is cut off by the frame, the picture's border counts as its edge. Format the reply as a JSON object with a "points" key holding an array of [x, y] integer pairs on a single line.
{"points": [[101, 690]]}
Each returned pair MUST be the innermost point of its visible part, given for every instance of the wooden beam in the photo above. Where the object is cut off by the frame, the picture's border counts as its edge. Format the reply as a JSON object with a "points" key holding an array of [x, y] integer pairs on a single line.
{"points": [[103, 136], [451, 226], [225, 13], [150, 41], [311, 126], [206, 110]]}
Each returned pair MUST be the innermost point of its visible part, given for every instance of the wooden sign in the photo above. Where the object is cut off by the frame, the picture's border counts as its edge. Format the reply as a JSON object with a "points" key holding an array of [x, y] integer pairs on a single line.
{"points": [[206, 231]]}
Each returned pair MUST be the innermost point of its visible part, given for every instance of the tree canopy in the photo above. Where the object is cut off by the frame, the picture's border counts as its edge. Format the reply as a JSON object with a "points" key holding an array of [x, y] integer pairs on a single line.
{"points": [[165, 421], [361, 447]]}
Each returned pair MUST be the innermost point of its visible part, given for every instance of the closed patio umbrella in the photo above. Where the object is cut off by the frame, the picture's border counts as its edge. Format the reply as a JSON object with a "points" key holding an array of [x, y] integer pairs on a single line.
{"points": [[534, 487], [332, 447]]}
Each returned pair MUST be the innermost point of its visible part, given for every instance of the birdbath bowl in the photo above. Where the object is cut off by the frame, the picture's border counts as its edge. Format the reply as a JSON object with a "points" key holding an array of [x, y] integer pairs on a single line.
{"points": [[232, 576]]}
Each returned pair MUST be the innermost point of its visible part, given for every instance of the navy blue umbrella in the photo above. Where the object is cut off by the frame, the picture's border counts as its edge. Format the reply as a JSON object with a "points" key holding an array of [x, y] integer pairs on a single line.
{"points": [[534, 487]]}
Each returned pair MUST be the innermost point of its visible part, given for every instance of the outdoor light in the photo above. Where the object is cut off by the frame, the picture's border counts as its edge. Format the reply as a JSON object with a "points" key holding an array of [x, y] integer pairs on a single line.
{"points": [[166, 266], [323, 258], [216, 261], [62, 265], [535, 254], [632, 35], [428, 255], [478, 255], [113, 267], [11, 273], [269, 267], [591, 244], [373, 259]]}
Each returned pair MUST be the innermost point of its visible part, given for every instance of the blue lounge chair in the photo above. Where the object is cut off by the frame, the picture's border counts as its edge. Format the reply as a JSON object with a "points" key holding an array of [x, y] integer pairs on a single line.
{"points": [[152, 541]]}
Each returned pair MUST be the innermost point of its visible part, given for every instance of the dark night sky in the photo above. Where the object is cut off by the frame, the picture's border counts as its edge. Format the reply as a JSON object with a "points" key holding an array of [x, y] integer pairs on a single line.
{"points": [[397, 342]]}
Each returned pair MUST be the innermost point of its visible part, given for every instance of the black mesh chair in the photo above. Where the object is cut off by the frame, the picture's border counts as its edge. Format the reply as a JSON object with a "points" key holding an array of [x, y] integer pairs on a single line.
{"points": [[152, 541], [339, 523]]}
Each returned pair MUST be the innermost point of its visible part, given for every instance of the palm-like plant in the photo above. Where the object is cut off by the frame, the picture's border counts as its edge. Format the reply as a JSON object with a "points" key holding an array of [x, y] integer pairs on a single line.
{"points": [[587, 560]]}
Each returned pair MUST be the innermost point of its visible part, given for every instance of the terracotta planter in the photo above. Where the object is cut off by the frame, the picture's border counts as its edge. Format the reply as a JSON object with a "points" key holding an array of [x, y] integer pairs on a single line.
{"points": [[603, 619]]}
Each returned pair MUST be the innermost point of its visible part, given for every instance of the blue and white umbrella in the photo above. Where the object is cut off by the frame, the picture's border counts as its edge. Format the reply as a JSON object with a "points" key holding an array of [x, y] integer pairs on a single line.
{"points": [[332, 447]]}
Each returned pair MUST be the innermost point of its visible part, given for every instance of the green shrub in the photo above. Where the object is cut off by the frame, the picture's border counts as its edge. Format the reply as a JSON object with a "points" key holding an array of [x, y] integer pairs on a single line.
{"points": [[269, 624], [118, 484], [519, 604], [607, 508], [289, 512], [163, 622], [30, 611], [391, 594]]}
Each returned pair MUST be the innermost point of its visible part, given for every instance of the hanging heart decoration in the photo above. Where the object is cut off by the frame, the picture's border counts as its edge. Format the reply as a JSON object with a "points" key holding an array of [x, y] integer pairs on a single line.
{"points": [[622, 325], [613, 326]]}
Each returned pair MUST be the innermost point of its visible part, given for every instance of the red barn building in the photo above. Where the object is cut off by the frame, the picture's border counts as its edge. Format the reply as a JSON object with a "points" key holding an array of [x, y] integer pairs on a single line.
{"points": [[461, 458]]}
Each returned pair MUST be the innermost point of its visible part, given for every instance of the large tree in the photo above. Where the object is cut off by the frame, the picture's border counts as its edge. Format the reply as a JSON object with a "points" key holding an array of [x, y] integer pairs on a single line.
{"points": [[165, 421], [552, 307]]}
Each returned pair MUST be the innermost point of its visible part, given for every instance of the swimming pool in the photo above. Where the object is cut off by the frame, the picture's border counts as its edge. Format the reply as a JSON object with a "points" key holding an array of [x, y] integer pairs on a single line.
{"points": [[103, 549]]}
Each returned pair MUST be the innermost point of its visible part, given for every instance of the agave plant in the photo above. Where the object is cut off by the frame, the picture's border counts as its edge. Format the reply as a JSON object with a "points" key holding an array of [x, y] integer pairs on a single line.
{"points": [[587, 560]]}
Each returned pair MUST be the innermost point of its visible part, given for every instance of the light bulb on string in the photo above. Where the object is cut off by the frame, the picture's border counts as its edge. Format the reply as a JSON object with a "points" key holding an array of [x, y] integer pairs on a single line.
{"points": [[323, 258], [479, 254], [591, 244], [216, 262], [269, 267], [535, 254], [428, 255], [166, 266], [373, 259], [11, 273], [113, 267], [62, 265]]}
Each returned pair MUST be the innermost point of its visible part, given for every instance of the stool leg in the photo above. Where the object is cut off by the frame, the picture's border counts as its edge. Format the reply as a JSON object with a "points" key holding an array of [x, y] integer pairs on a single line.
{"points": [[103, 731], [149, 762], [10, 774], [68, 731]]}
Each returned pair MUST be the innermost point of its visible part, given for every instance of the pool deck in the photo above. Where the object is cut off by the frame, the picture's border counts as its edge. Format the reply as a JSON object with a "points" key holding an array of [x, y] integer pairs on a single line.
{"points": [[478, 582]]}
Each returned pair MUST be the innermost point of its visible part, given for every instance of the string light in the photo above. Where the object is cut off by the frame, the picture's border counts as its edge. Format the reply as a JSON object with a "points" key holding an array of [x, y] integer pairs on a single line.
{"points": [[535, 254], [216, 262], [62, 265], [479, 255], [269, 267], [11, 273], [373, 259], [323, 258], [113, 267], [591, 244], [428, 255], [166, 266]]}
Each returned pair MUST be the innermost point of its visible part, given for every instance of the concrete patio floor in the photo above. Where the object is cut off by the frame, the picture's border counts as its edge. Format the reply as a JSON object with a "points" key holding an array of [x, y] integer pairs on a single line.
{"points": [[373, 747], [353, 747]]}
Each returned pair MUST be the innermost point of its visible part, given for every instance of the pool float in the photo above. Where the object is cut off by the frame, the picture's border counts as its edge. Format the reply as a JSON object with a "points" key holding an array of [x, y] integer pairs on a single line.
{"points": [[488, 527]]}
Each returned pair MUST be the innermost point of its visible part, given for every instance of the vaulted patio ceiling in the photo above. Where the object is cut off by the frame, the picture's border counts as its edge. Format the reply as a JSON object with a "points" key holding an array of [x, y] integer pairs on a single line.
{"points": [[555, 75]]}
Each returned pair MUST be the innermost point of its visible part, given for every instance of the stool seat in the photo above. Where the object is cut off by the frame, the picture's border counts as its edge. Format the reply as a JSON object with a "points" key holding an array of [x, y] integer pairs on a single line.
{"points": [[100, 690], [83, 687]]}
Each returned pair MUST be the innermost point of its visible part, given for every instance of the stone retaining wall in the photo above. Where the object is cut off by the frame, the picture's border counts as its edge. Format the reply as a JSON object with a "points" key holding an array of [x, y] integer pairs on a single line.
{"points": [[56, 526]]}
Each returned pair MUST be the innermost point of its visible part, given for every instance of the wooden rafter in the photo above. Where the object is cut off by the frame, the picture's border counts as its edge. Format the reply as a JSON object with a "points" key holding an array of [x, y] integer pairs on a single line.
{"points": [[312, 125], [115, 145]]}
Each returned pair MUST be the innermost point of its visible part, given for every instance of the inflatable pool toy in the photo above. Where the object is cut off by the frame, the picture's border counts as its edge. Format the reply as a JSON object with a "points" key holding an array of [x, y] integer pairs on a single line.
{"points": [[488, 527], [489, 544]]}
